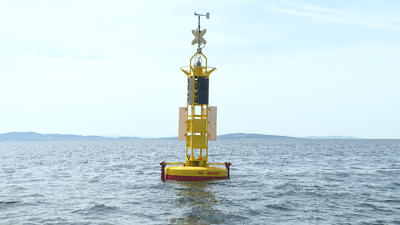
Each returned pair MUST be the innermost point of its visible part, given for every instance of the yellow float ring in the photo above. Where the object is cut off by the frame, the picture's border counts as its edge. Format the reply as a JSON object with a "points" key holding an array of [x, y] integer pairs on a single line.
{"points": [[194, 173]]}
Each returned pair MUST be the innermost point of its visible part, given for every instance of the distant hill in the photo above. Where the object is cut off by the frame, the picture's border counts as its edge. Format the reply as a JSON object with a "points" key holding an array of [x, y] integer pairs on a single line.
{"points": [[331, 137], [32, 136], [250, 136]]}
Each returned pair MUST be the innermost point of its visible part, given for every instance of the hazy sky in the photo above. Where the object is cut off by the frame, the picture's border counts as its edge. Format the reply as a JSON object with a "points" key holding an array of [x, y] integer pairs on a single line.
{"points": [[285, 67]]}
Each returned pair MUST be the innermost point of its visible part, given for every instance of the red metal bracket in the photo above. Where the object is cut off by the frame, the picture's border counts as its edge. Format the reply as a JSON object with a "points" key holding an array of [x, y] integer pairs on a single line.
{"points": [[163, 164], [227, 165]]}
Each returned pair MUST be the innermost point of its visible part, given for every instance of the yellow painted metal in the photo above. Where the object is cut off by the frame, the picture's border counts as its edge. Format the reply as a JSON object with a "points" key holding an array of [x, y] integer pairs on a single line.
{"points": [[200, 141], [209, 72], [197, 115], [175, 163], [197, 124], [185, 71], [183, 163], [195, 171]]}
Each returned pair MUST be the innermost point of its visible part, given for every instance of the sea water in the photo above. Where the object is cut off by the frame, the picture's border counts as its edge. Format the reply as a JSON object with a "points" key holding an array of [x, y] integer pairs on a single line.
{"points": [[276, 181]]}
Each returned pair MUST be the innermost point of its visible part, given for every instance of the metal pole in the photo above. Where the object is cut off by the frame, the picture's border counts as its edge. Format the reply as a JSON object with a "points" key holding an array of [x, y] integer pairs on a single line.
{"points": [[198, 47]]}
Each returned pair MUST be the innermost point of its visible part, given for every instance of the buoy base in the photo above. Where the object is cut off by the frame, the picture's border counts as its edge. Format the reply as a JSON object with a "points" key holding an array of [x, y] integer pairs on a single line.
{"points": [[194, 173]]}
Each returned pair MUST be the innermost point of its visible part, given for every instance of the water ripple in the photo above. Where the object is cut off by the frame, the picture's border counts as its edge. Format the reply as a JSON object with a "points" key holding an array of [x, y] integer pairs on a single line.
{"points": [[272, 182]]}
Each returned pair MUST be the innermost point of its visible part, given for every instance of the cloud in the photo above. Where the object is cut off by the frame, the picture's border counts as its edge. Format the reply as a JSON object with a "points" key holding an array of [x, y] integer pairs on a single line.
{"points": [[375, 20]]}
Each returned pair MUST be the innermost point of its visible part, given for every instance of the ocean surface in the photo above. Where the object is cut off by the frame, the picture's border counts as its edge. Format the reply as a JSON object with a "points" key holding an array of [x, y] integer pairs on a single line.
{"points": [[281, 181]]}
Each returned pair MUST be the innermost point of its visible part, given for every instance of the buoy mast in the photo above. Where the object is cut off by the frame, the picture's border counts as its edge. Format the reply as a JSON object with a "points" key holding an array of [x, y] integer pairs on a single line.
{"points": [[197, 121]]}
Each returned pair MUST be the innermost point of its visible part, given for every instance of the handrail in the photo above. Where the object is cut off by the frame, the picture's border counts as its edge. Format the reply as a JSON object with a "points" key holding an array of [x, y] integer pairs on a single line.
{"points": [[175, 163]]}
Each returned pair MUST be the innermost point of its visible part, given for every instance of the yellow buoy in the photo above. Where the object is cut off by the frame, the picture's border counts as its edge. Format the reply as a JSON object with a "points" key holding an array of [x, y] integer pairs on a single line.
{"points": [[197, 122]]}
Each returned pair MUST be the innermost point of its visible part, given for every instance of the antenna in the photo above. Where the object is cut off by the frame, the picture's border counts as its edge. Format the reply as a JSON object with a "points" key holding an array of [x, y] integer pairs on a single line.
{"points": [[200, 33]]}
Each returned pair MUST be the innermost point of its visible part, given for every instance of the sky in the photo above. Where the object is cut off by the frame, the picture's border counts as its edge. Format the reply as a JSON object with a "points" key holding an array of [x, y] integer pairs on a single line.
{"points": [[284, 67]]}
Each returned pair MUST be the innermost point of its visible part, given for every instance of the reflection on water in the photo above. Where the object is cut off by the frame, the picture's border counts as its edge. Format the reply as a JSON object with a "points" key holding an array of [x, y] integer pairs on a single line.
{"points": [[197, 202]]}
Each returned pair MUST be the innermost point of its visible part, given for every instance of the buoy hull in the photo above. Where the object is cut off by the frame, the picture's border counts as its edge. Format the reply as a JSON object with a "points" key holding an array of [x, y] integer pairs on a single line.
{"points": [[194, 173]]}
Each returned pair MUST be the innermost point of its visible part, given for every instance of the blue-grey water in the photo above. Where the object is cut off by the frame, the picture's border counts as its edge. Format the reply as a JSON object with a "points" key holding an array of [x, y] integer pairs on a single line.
{"points": [[293, 181]]}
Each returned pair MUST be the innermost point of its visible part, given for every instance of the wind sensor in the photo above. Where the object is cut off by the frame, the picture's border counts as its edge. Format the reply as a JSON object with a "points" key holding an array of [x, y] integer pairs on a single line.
{"points": [[198, 33]]}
